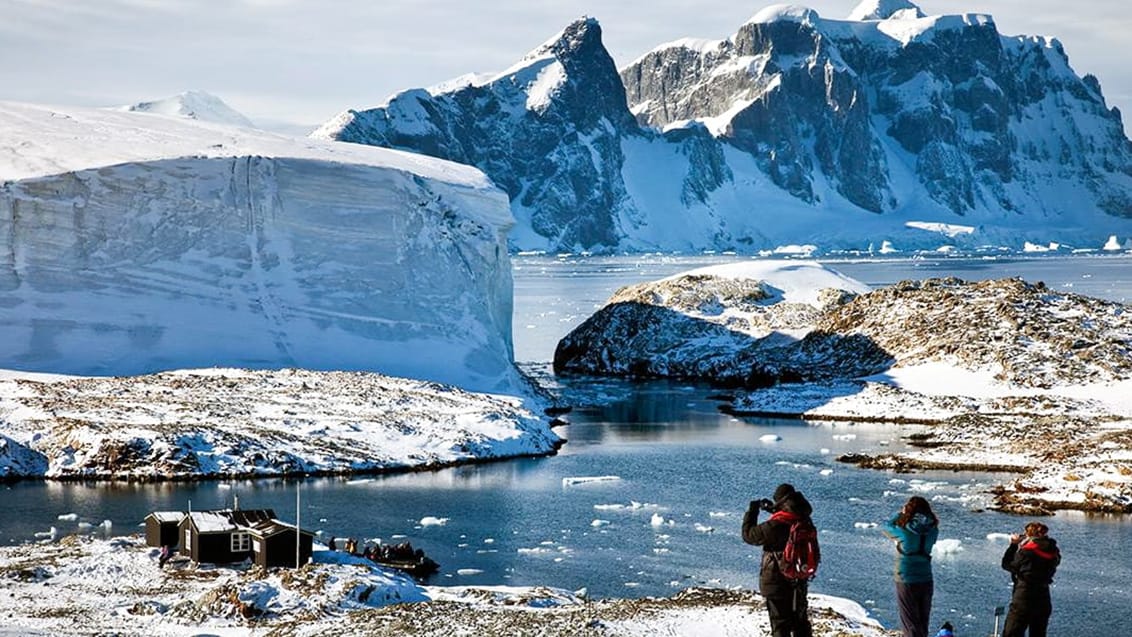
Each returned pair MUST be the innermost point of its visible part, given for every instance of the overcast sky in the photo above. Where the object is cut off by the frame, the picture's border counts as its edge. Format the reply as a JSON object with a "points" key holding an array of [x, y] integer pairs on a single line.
{"points": [[303, 61]]}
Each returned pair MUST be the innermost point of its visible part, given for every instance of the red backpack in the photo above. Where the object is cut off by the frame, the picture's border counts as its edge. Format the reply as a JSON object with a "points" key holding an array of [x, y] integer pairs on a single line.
{"points": [[800, 558]]}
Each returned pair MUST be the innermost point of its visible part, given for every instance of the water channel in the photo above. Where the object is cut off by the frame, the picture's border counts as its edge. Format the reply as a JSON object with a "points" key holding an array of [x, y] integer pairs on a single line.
{"points": [[685, 473]]}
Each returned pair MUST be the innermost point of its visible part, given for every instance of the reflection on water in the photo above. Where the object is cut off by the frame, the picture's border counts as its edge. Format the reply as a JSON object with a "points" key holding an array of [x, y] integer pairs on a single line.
{"points": [[678, 457]]}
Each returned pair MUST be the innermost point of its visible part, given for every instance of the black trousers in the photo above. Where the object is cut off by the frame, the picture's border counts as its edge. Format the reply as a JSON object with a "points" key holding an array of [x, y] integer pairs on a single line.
{"points": [[790, 612], [915, 602], [1030, 608]]}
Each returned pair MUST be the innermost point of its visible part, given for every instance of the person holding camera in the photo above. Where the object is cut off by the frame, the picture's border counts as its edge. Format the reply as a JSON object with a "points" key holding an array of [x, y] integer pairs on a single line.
{"points": [[785, 597], [1032, 559], [915, 530]]}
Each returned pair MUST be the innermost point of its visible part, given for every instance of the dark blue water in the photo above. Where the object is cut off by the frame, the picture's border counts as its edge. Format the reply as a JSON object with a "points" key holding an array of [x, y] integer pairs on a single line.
{"points": [[677, 457]]}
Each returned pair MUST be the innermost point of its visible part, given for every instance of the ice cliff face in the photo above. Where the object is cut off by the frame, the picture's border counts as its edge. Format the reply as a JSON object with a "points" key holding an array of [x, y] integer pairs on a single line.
{"points": [[797, 129], [131, 243]]}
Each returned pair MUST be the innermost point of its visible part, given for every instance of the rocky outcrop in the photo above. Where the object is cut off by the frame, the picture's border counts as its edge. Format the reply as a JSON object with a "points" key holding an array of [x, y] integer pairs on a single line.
{"points": [[796, 129], [723, 330], [1025, 333]]}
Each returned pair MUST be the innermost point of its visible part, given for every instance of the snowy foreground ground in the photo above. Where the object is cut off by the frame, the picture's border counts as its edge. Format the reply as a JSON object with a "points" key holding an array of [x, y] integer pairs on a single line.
{"points": [[83, 586], [237, 423]]}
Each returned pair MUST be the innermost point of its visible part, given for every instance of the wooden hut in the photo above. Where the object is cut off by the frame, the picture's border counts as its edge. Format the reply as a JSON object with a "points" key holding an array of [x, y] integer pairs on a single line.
{"points": [[222, 536], [161, 528], [273, 543]]}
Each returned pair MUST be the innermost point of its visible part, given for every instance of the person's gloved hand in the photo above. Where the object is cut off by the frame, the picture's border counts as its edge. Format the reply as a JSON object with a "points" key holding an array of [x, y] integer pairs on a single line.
{"points": [[766, 505]]}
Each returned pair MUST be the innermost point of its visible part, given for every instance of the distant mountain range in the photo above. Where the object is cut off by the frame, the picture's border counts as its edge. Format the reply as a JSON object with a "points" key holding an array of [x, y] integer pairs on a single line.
{"points": [[923, 131]]}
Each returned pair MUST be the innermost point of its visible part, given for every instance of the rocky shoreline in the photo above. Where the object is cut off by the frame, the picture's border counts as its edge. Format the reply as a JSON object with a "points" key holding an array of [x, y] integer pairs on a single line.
{"points": [[233, 423], [1003, 376], [84, 586]]}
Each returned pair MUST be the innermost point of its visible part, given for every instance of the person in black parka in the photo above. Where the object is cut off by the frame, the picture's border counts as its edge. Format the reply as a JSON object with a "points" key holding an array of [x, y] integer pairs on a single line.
{"points": [[785, 599], [1032, 559]]}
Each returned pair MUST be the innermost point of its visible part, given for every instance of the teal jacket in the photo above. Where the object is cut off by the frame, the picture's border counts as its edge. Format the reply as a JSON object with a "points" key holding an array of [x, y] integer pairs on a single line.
{"points": [[914, 544]]}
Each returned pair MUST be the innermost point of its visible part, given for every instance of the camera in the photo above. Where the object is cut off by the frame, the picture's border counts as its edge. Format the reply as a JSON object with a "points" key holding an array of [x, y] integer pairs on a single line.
{"points": [[766, 505]]}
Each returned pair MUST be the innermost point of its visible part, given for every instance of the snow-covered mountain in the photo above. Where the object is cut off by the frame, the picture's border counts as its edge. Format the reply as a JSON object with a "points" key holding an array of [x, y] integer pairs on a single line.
{"points": [[889, 125], [131, 243], [194, 105]]}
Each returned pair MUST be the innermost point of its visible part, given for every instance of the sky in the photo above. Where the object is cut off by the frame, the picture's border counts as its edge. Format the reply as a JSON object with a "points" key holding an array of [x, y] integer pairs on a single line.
{"points": [[304, 61]]}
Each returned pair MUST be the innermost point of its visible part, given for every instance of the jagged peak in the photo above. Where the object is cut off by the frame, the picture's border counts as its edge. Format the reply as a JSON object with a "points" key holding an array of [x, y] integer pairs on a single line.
{"points": [[575, 36], [885, 9], [785, 13]]}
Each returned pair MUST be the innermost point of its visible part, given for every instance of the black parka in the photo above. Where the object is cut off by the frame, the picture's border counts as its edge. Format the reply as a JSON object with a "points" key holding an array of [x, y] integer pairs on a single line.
{"points": [[772, 536]]}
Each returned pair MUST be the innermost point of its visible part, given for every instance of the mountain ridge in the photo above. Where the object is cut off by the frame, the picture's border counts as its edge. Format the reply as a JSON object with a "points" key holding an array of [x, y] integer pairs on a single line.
{"points": [[797, 129]]}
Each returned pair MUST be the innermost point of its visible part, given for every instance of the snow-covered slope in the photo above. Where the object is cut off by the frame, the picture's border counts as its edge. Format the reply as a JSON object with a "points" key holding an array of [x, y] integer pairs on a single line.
{"points": [[131, 243], [797, 129], [217, 423], [194, 105]]}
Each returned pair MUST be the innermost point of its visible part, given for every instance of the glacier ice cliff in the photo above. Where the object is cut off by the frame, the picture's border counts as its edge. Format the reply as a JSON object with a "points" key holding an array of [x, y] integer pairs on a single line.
{"points": [[133, 243], [796, 129]]}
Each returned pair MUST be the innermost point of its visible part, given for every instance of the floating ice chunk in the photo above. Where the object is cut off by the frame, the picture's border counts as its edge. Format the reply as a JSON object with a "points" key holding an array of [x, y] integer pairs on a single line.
{"points": [[51, 534], [864, 525], [631, 584], [429, 520], [567, 482], [824, 451], [844, 436], [947, 547], [533, 551], [489, 540], [703, 528], [597, 523], [660, 551], [998, 537], [719, 514], [69, 517], [896, 481], [826, 472], [469, 571], [106, 525], [770, 438], [223, 485], [659, 520], [85, 526]]}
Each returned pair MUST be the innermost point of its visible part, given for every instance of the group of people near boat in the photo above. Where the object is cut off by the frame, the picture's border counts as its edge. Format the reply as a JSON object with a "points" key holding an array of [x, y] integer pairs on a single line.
{"points": [[788, 542]]}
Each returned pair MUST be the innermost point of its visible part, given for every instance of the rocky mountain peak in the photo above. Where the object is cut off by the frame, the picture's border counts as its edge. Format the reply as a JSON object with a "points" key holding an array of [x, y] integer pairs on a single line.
{"points": [[884, 9]]}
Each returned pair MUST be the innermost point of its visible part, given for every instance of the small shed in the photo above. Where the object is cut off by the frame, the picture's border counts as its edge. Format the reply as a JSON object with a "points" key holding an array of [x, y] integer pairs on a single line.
{"points": [[273, 543], [222, 536], [161, 528]]}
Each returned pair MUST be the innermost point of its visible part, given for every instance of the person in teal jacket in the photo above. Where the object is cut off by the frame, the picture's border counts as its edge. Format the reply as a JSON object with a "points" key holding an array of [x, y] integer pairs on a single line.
{"points": [[915, 530]]}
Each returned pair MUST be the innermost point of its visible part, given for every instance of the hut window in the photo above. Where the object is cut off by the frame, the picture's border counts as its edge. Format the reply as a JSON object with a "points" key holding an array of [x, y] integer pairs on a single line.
{"points": [[241, 542]]}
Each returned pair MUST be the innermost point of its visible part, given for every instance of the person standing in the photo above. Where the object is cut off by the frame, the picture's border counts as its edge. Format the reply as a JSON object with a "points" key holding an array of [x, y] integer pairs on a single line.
{"points": [[915, 530], [1032, 559], [786, 601]]}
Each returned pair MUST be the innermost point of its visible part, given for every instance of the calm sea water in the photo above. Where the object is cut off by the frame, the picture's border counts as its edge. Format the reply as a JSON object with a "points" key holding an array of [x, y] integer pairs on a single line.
{"points": [[684, 474]]}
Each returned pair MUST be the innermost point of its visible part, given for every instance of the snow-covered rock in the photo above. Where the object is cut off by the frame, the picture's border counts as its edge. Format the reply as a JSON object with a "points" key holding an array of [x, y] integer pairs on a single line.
{"points": [[194, 105], [239, 423], [795, 130], [729, 330], [115, 587], [733, 324], [131, 243]]}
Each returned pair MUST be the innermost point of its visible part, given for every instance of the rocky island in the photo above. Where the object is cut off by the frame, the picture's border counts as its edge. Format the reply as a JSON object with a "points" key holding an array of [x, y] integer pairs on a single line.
{"points": [[1000, 375]]}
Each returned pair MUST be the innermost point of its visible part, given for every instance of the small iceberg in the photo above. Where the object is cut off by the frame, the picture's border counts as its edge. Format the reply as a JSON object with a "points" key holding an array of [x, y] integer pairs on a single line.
{"points": [[569, 482]]}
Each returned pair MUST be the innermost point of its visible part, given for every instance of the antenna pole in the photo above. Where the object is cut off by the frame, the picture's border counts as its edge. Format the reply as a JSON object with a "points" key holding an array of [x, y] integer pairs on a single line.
{"points": [[298, 518]]}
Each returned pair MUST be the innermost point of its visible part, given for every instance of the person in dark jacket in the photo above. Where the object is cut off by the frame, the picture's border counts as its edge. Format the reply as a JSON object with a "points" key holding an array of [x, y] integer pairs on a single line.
{"points": [[785, 599], [1032, 559], [915, 529]]}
